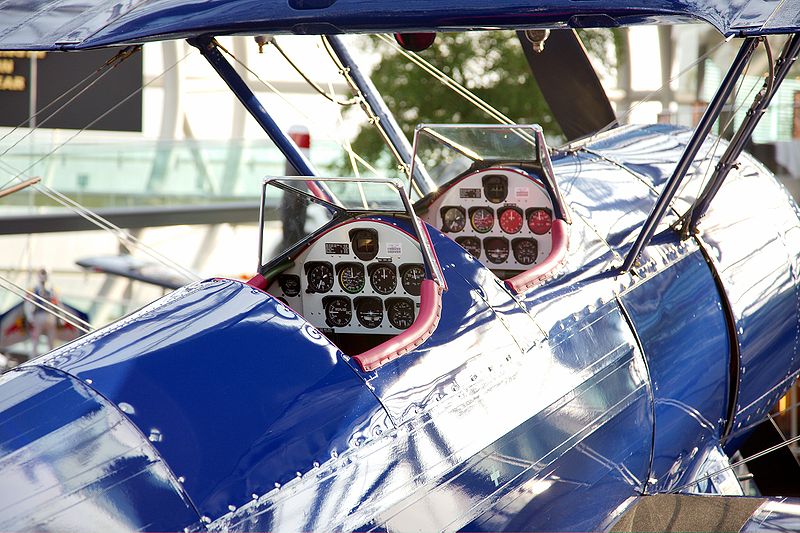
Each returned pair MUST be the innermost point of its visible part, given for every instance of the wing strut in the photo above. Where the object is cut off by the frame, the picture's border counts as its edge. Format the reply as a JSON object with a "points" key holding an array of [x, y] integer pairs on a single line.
{"points": [[728, 160], [210, 50], [698, 137]]}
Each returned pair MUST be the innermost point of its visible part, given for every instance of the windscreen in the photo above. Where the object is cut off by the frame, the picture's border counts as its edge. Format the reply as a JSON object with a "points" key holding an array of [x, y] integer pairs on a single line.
{"points": [[294, 208], [446, 151]]}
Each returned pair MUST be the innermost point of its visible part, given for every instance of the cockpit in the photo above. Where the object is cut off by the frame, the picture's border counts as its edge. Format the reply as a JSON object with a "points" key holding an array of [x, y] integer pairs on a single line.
{"points": [[355, 258], [491, 189]]}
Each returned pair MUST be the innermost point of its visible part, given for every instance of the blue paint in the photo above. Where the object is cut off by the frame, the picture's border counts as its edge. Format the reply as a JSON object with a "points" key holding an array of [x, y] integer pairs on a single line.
{"points": [[679, 319], [233, 382], [56, 25], [71, 461]]}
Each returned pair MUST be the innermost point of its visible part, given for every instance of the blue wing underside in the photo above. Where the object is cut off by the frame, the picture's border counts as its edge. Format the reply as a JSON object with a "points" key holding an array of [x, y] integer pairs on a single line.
{"points": [[79, 24]]}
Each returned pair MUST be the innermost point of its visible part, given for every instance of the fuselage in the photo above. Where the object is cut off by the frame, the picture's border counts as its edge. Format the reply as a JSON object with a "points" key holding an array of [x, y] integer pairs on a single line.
{"points": [[218, 407]]}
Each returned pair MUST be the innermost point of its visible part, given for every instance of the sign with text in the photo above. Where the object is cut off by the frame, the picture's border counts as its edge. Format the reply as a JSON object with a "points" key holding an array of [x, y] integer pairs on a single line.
{"points": [[36, 79]]}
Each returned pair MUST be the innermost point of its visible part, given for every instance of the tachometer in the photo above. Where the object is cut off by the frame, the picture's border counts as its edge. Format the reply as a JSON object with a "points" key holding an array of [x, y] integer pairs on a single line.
{"points": [[471, 244], [289, 284], [320, 276], [411, 277], [351, 277], [382, 277], [525, 250], [400, 312], [369, 311], [540, 220], [482, 219], [496, 249], [510, 219], [453, 219], [338, 312]]}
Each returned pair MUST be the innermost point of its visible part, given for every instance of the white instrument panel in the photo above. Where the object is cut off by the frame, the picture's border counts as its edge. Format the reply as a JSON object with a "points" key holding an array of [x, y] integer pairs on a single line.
{"points": [[363, 276], [502, 216]]}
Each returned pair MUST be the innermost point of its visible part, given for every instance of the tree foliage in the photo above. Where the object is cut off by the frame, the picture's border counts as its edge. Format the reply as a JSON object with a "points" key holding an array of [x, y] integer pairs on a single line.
{"points": [[490, 64]]}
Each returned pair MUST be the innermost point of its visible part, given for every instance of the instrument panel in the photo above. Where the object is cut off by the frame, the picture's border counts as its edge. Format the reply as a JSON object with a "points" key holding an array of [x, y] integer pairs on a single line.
{"points": [[502, 216], [363, 276]]}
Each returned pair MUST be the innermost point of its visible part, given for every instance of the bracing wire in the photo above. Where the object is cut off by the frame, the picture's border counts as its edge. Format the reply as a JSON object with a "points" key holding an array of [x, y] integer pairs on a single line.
{"points": [[270, 87], [46, 305], [101, 71], [308, 80], [88, 214]]}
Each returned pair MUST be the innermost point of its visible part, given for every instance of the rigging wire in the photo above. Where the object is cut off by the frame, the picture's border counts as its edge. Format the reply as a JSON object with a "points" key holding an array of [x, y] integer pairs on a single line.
{"points": [[46, 305], [270, 87], [309, 81], [107, 67], [101, 71], [449, 82], [88, 214]]}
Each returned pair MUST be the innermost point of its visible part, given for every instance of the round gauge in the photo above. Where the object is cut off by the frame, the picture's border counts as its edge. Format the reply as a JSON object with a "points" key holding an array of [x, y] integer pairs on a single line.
{"points": [[540, 220], [369, 311], [411, 276], [471, 244], [351, 277], [400, 312], [337, 311], [320, 277], [482, 219], [496, 249], [289, 284], [511, 219], [525, 251], [495, 187], [383, 278], [453, 219]]}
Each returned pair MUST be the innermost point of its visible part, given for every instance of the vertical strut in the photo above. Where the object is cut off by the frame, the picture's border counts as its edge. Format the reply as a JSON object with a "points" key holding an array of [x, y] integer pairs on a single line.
{"points": [[377, 112], [700, 133], [728, 160], [209, 49]]}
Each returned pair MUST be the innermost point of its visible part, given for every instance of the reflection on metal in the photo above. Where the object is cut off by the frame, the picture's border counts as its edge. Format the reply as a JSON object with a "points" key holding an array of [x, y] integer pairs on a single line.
{"points": [[700, 133], [743, 135]]}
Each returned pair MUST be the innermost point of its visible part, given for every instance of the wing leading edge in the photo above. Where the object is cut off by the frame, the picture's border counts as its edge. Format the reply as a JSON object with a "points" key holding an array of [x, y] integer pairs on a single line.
{"points": [[78, 24]]}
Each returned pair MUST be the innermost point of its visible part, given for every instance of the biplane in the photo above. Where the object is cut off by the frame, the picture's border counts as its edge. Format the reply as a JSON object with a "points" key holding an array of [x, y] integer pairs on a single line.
{"points": [[516, 338]]}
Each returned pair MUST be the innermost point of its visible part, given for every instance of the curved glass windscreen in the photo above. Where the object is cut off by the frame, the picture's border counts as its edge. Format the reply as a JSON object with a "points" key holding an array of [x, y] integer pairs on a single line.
{"points": [[444, 151]]}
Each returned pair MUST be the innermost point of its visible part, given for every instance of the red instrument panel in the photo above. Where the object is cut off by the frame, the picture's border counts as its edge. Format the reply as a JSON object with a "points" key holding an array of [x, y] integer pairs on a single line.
{"points": [[502, 216]]}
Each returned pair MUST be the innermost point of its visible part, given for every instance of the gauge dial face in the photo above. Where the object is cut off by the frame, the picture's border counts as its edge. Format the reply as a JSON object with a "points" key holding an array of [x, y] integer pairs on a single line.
{"points": [[496, 249], [471, 244], [320, 277], [400, 312], [338, 312], [511, 220], [289, 284], [495, 187], [482, 219], [411, 277], [351, 277], [525, 251], [540, 220], [453, 219], [383, 278], [369, 311]]}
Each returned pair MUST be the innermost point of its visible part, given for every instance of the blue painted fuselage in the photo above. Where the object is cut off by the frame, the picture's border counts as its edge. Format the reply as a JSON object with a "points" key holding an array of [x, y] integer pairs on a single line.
{"points": [[218, 407]]}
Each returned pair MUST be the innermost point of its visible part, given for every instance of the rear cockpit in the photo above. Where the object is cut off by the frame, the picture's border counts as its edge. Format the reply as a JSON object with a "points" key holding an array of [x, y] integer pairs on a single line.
{"points": [[492, 190]]}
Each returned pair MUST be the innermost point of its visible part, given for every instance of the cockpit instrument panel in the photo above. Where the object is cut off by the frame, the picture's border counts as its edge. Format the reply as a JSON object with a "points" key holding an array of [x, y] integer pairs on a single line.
{"points": [[363, 276], [503, 216]]}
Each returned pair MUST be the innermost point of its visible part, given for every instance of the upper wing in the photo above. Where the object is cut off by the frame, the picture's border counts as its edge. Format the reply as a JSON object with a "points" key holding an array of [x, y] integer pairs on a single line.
{"points": [[75, 24]]}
